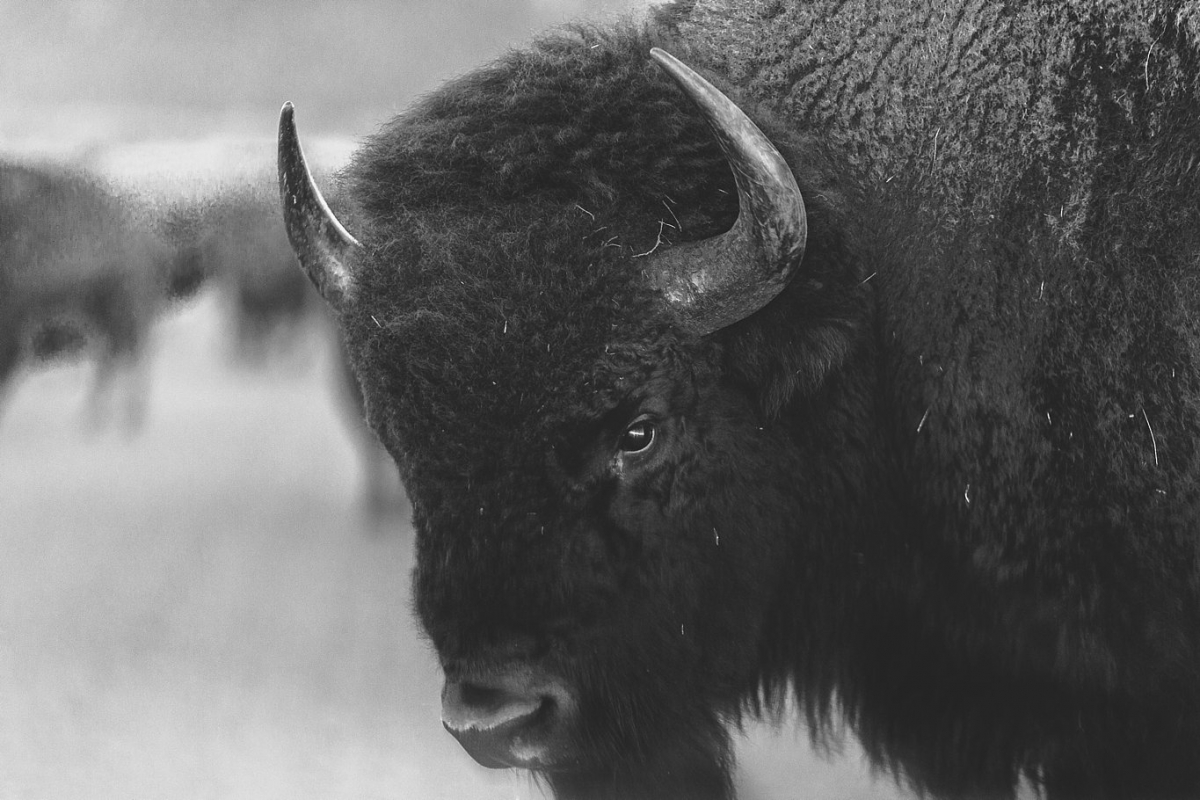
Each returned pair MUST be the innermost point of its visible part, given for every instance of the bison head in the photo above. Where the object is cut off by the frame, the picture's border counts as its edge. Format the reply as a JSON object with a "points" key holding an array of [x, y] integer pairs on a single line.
{"points": [[556, 305]]}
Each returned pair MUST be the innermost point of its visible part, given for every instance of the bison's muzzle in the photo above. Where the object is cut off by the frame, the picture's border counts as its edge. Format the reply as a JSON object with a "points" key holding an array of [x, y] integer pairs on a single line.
{"points": [[509, 717]]}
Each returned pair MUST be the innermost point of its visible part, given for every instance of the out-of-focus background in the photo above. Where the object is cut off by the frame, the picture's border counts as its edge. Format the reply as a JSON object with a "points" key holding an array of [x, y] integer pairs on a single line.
{"points": [[203, 559]]}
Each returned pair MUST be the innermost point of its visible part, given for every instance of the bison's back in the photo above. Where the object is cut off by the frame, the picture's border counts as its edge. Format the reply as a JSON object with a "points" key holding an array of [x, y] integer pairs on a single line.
{"points": [[1028, 202]]}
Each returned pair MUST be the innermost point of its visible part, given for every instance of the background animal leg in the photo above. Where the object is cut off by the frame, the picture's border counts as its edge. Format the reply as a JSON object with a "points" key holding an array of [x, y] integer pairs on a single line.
{"points": [[10, 355], [104, 404]]}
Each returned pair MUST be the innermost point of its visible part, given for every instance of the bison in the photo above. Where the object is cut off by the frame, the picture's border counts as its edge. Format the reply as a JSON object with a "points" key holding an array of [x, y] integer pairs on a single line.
{"points": [[79, 267], [832, 350]]}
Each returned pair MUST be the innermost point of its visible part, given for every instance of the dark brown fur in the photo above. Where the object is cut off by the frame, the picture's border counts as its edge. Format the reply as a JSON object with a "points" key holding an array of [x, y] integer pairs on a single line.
{"points": [[946, 484]]}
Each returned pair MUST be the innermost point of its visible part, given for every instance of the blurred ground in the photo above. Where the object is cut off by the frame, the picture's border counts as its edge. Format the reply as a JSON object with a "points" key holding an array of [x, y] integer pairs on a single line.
{"points": [[200, 611]]}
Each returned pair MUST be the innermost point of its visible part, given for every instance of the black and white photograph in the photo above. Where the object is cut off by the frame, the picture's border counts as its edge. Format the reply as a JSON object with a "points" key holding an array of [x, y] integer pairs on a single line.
{"points": [[600, 400]]}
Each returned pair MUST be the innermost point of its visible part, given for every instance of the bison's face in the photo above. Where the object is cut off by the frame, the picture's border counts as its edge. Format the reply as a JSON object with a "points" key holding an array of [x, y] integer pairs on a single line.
{"points": [[600, 504], [596, 598]]}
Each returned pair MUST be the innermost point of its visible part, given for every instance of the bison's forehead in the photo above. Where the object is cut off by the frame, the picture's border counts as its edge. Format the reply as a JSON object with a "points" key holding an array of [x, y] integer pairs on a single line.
{"points": [[584, 119], [479, 348], [507, 222]]}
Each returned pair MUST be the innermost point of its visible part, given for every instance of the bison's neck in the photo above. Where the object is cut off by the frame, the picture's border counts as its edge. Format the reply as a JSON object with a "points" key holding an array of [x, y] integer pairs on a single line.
{"points": [[962, 573]]}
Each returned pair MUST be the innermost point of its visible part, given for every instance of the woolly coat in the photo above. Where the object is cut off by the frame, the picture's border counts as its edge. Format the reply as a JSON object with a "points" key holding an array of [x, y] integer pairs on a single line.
{"points": [[989, 367]]}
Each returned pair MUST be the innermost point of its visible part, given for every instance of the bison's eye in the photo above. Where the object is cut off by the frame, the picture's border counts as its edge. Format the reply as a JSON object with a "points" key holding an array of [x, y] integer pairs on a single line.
{"points": [[637, 437]]}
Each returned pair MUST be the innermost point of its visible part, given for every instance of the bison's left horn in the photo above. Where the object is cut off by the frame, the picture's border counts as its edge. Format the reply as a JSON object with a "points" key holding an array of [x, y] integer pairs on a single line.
{"points": [[322, 245], [715, 282]]}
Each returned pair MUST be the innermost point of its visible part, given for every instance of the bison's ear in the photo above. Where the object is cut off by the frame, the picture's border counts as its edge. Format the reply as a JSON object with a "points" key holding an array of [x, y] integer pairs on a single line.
{"points": [[322, 245]]}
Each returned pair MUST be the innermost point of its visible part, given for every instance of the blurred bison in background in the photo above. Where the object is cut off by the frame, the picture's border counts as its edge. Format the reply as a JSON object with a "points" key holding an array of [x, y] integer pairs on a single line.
{"points": [[243, 248], [81, 268], [892, 400]]}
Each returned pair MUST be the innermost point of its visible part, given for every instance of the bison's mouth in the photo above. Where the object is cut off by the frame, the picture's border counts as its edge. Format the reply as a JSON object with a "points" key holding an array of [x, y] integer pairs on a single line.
{"points": [[514, 716]]}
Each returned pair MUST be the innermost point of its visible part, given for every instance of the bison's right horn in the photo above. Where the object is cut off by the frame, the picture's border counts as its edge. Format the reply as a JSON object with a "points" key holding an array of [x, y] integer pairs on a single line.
{"points": [[715, 282], [322, 245]]}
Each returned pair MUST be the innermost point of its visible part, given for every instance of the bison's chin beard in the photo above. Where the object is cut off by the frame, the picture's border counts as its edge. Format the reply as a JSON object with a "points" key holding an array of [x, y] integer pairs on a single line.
{"points": [[690, 765], [645, 743]]}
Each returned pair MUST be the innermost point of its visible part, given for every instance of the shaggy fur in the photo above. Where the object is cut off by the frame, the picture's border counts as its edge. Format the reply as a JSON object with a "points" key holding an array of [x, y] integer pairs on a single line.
{"points": [[946, 484]]}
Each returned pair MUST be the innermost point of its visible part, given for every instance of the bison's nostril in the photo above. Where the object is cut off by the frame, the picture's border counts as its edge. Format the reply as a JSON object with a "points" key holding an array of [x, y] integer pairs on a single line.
{"points": [[474, 695], [472, 706], [508, 717], [491, 723]]}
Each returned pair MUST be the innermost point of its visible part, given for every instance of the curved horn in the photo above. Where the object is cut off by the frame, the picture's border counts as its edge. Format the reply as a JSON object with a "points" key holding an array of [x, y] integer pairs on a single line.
{"points": [[322, 245], [715, 282]]}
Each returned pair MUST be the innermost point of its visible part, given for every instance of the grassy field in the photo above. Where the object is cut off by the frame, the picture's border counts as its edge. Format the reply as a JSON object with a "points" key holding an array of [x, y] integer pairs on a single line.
{"points": [[200, 610]]}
